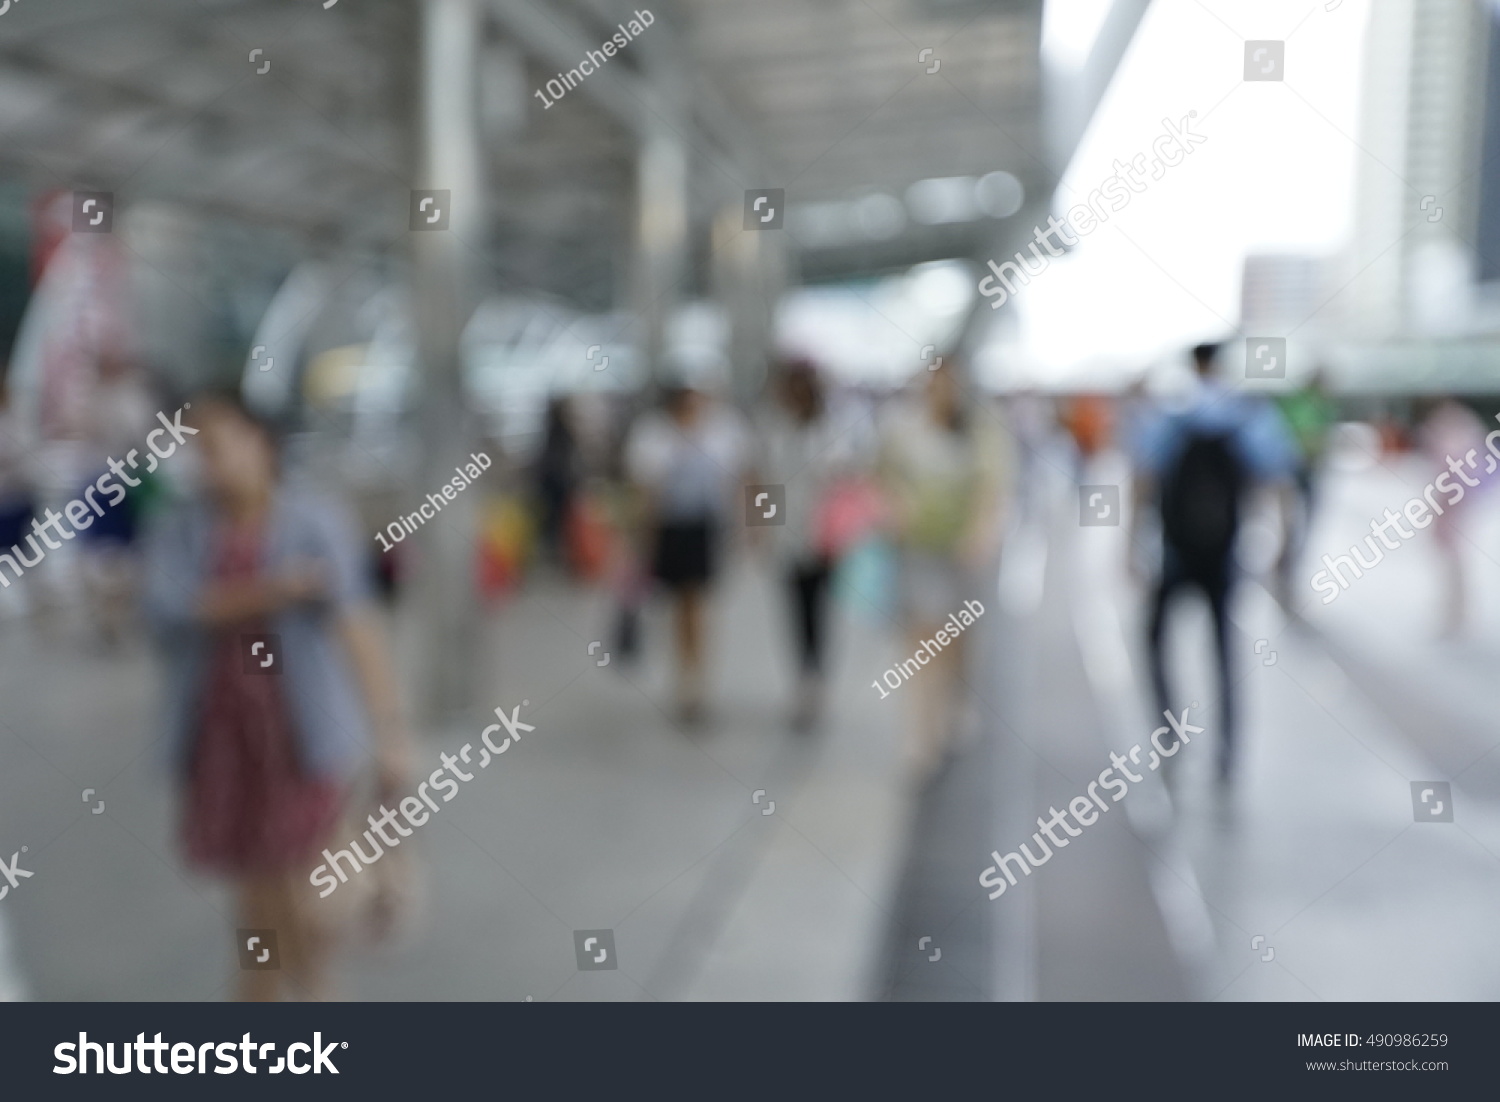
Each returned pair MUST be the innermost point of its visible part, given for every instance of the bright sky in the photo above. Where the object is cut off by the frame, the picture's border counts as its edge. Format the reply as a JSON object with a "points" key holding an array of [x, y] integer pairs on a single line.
{"points": [[1277, 174]]}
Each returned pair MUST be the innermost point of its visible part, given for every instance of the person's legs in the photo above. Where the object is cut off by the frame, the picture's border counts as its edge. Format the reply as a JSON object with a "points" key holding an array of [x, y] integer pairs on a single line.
{"points": [[550, 500], [809, 590], [118, 599], [306, 948], [935, 688], [684, 561], [1166, 585], [689, 615], [800, 590], [261, 907], [1296, 520], [1455, 591], [1218, 587], [1459, 603]]}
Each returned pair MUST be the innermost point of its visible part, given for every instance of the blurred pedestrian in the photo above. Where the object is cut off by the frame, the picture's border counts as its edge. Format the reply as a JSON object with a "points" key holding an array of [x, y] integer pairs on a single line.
{"points": [[1309, 415], [120, 412], [1199, 462], [816, 459], [557, 476], [1034, 424], [17, 491], [279, 690], [687, 461], [945, 465], [1450, 432], [1090, 421]]}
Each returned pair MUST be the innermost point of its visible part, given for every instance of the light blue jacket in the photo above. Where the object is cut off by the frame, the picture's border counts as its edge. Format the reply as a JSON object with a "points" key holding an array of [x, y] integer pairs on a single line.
{"points": [[1256, 431], [327, 710]]}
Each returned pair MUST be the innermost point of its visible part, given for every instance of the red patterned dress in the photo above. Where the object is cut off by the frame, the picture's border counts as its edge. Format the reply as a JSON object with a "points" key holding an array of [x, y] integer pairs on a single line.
{"points": [[250, 808]]}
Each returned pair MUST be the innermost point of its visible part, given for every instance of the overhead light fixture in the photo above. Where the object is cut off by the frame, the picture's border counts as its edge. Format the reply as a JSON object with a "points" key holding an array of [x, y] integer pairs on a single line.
{"points": [[822, 224], [999, 194], [880, 217], [943, 199]]}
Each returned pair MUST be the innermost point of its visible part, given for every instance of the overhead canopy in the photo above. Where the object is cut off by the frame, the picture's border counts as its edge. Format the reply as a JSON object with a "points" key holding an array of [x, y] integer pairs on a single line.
{"points": [[162, 99]]}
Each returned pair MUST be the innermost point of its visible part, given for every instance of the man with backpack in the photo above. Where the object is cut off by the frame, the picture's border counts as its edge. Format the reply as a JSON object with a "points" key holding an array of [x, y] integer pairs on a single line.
{"points": [[1199, 462]]}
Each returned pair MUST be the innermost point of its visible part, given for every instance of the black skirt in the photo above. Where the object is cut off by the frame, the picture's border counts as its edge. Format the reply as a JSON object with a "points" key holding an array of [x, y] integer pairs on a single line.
{"points": [[685, 552]]}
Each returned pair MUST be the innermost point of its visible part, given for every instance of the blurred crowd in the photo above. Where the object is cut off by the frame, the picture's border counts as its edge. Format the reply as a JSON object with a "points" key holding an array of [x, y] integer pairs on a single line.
{"points": [[898, 504]]}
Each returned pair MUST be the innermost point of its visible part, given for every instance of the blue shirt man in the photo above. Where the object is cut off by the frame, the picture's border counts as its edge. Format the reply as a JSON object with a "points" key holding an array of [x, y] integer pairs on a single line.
{"points": [[1255, 437]]}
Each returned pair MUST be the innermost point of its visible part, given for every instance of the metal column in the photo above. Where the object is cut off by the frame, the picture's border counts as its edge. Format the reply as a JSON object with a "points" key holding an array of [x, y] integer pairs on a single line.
{"points": [[445, 262], [749, 276], [660, 263]]}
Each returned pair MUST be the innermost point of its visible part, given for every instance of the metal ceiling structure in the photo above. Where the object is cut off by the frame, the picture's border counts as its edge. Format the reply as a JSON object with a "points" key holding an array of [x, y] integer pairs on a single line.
{"points": [[288, 113], [626, 190]]}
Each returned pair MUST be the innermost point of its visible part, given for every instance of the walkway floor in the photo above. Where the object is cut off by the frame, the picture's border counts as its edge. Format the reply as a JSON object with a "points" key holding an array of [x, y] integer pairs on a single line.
{"points": [[1315, 878], [608, 817]]}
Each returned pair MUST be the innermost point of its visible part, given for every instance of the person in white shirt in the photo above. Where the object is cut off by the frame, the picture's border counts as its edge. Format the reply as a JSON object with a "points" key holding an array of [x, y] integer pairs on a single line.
{"points": [[688, 460], [946, 463], [814, 453]]}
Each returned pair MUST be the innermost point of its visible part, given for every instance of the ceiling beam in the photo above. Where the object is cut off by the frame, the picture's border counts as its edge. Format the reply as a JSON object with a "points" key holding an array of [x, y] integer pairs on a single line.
{"points": [[555, 38]]}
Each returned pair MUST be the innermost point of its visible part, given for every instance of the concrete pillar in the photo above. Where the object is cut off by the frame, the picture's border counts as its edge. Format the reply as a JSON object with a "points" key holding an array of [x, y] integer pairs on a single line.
{"points": [[444, 270], [660, 264], [749, 276]]}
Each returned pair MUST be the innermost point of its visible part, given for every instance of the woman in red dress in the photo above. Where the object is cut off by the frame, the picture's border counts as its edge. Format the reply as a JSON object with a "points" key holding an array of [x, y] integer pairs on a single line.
{"points": [[285, 701]]}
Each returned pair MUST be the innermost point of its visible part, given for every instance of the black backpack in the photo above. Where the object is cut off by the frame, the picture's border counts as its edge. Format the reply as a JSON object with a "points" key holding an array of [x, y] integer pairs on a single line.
{"points": [[1200, 497]]}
